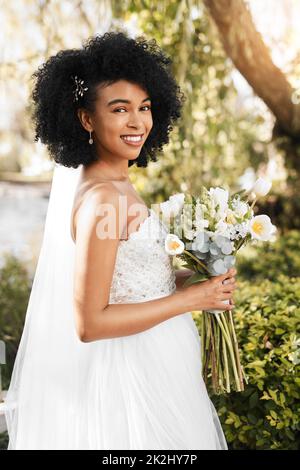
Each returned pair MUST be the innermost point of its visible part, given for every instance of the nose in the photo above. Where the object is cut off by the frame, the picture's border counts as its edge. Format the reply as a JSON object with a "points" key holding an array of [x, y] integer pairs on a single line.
{"points": [[135, 120]]}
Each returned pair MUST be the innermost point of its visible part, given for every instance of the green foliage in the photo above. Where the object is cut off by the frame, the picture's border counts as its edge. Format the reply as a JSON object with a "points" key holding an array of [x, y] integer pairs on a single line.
{"points": [[3, 441], [15, 285], [283, 207], [211, 145], [267, 414], [271, 259]]}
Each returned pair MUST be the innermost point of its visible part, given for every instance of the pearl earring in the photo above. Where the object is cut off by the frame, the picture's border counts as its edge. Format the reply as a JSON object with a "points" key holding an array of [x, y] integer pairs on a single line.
{"points": [[90, 139]]}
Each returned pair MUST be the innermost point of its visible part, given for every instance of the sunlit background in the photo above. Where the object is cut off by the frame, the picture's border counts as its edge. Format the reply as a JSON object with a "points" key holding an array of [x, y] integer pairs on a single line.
{"points": [[227, 136]]}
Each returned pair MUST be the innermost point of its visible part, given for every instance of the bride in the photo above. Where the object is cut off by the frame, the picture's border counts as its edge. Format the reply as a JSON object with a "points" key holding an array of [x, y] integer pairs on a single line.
{"points": [[110, 355]]}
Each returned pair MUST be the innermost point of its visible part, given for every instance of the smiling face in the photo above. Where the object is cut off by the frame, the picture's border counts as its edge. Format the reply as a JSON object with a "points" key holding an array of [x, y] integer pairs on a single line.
{"points": [[121, 122]]}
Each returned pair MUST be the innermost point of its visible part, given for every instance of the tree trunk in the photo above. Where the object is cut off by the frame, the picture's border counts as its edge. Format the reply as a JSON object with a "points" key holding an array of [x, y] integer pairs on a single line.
{"points": [[245, 47]]}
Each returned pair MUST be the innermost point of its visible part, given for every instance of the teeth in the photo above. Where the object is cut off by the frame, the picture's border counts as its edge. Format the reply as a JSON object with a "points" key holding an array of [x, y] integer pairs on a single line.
{"points": [[132, 138]]}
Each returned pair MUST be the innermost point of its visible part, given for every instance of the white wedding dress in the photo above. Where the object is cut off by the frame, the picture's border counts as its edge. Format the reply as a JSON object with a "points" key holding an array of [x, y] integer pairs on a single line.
{"points": [[145, 391], [142, 391]]}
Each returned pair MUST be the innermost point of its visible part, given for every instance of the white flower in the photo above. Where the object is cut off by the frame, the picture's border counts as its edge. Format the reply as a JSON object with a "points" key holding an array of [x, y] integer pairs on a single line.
{"points": [[220, 197], [239, 230], [222, 228], [261, 227], [230, 218], [261, 187], [240, 208], [173, 245], [189, 234], [173, 206], [178, 198], [168, 209], [200, 224]]}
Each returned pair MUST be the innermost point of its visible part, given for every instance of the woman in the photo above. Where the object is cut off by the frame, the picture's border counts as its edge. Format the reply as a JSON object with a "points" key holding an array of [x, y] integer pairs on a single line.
{"points": [[110, 354]]}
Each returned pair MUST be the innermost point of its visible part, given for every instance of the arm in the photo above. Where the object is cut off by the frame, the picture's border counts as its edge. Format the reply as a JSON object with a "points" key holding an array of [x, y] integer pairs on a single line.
{"points": [[94, 267]]}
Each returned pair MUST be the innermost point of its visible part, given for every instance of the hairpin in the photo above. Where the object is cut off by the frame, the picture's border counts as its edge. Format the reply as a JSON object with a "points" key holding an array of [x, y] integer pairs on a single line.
{"points": [[78, 92]]}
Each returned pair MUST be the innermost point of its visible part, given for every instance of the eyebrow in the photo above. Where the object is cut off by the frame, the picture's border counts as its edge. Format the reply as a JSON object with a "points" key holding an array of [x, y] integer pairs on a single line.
{"points": [[120, 100]]}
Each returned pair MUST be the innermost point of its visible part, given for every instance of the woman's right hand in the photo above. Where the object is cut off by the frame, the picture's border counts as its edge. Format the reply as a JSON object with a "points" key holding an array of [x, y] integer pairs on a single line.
{"points": [[208, 295]]}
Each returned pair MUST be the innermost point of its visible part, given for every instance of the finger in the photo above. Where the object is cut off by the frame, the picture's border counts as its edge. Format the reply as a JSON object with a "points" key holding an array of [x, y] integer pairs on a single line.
{"points": [[229, 281], [225, 296], [230, 273], [230, 288]]}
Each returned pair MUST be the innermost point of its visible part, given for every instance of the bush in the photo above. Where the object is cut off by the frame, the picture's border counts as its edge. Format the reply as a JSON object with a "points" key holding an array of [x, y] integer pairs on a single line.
{"points": [[15, 286], [269, 260], [3, 441], [267, 414]]}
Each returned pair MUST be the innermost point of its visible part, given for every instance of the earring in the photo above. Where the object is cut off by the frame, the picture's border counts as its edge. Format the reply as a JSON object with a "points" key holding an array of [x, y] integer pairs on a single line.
{"points": [[90, 139]]}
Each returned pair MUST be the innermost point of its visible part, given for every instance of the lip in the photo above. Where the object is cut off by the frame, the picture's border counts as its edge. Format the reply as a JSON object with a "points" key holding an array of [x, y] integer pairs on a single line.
{"points": [[135, 144]]}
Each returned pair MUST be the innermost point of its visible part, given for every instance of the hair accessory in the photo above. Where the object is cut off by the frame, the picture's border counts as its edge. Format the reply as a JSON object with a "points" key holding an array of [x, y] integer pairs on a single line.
{"points": [[78, 92]]}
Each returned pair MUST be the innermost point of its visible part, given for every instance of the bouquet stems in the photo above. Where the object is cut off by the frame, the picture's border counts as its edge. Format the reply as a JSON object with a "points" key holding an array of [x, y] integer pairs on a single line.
{"points": [[220, 353]]}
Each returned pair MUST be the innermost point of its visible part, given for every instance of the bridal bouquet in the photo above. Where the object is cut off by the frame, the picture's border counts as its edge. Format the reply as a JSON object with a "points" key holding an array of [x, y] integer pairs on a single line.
{"points": [[206, 231]]}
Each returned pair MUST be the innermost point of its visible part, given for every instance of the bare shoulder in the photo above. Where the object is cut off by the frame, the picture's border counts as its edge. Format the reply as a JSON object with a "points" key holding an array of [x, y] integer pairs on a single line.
{"points": [[100, 201], [103, 192]]}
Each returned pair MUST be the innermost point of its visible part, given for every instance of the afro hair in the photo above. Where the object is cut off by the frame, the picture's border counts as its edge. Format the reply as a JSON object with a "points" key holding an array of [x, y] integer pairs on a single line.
{"points": [[107, 58]]}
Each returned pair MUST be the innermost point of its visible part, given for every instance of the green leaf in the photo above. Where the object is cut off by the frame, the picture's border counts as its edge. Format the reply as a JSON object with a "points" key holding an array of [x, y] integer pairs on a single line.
{"points": [[253, 400], [273, 394], [252, 418], [290, 434], [194, 279]]}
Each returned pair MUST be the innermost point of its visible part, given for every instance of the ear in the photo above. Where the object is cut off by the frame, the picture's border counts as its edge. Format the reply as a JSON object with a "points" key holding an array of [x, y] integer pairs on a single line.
{"points": [[85, 119]]}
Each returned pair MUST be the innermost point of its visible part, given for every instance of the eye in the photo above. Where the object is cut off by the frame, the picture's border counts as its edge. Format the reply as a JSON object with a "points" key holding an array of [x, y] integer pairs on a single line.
{"points": [[123, 109]]}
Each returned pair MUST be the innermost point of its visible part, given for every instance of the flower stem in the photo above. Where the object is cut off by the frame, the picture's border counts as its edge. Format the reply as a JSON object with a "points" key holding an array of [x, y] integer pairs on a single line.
{"points": [[237, 353], [226, 370], [231, 351], [197, 260], [253, 202]]}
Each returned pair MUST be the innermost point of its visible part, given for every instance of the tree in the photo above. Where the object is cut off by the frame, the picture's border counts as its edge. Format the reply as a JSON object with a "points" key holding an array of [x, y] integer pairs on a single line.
{"points": [[247, 50]]}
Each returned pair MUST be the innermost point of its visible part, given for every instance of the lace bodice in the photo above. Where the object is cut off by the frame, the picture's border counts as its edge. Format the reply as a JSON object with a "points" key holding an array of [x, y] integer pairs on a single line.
{"points": [[143, 269]]}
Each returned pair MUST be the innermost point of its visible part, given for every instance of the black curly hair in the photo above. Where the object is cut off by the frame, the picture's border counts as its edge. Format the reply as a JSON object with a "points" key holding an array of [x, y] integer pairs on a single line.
{"points": [[107, 58]]}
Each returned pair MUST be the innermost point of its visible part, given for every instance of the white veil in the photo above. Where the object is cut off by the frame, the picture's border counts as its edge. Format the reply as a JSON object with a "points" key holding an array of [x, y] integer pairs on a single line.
{"points": [[41, 405]]}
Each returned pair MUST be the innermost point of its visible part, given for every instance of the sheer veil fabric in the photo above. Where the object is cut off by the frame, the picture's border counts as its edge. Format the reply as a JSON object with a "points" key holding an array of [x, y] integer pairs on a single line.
{"points": [[45, 389]]}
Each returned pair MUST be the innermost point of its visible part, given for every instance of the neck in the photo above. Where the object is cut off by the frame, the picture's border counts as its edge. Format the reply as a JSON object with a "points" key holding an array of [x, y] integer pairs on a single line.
{"points": [[108, 170]]}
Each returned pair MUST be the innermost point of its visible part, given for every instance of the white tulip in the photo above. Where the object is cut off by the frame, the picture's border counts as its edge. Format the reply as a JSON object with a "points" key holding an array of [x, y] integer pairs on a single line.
{"points": [[220, 197], [173, 245], [261, 187], [261, 227]]}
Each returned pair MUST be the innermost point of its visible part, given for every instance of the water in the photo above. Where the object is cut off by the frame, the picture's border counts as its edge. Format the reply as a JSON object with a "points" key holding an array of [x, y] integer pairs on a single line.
{"points": [[23, 208]]}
